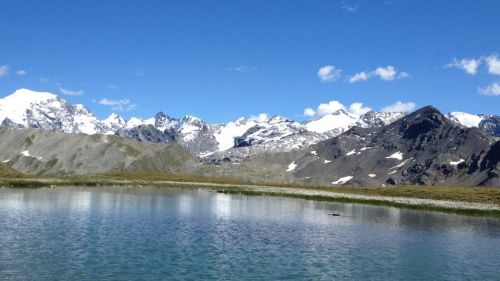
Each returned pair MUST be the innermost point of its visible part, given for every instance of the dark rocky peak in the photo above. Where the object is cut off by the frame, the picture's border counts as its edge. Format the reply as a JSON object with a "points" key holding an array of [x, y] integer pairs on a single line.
{"points": [[147, 133], [427, 121], [161, 116], [8, 123], [188, 119], [162, 120]]}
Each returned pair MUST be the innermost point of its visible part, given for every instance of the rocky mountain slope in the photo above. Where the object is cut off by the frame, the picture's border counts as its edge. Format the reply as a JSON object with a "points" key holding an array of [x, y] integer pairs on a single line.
{"points": [[422, 148], [229, 145]]}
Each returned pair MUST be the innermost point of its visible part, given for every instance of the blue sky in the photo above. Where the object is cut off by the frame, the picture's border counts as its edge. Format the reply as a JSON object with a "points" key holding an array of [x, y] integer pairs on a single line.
{"points": [[220, 60]]}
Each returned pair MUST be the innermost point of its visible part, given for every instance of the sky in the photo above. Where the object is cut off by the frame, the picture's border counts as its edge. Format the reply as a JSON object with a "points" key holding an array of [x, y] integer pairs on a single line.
{"points": [[220, 60]]}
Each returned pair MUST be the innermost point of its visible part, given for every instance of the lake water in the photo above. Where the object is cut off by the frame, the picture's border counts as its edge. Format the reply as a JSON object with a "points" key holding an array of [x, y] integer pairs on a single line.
{"points": [[118, 233]]}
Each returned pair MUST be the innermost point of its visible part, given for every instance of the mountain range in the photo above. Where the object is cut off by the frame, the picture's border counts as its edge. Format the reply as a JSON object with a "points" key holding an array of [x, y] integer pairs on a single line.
{"points": [[44, 134], [241, 138]]}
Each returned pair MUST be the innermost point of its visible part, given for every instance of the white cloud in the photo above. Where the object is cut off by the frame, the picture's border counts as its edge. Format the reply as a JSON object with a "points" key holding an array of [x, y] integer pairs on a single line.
{"points": [[492, 90], [358, 108], [69, 92], [117, 105], [21, 72], [399, 106], [4, 70], [329, 73], [493, 64], [328, 108], [349, 8], [43, 79], [263, 117], [469, 65], [241, 68], [403, 75], [309, 112], [361, 76], [387, 73], [333, 106]]}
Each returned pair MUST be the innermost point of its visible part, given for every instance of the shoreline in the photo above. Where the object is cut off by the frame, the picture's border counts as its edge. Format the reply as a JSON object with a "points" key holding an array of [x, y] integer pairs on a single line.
{"points": [[448, 206]]}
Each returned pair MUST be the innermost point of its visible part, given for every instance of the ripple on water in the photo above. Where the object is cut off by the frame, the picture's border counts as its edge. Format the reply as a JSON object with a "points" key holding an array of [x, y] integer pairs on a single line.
{"points": [[157, 234]]}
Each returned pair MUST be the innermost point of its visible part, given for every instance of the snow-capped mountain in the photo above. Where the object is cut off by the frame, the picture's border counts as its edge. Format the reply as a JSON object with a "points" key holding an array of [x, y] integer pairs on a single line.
{"points": [[114, 122], [466, 119], [239, 139], [378, 119], [30, 109], [334, 123], [247, 137], [488, 123]]}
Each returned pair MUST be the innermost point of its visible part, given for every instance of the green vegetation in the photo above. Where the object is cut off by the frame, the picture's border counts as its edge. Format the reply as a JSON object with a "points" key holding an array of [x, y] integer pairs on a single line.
{"points": [[8, 172], [155, 176], [451, 193], [470, 212]]}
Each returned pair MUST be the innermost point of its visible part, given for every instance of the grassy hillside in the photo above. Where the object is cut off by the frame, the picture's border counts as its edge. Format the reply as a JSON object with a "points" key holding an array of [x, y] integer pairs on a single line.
{"points": [[8, 172], [45, 152]]}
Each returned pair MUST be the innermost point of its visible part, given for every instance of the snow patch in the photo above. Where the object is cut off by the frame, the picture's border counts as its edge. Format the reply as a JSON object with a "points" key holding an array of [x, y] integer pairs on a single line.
{"points": [[351, 152], [5, 161], [372, 175], [343, 180], [292, 166], [314, 152], [393, 172], [27, 154], [398, 155], [455, 163], [327, 161], [225, 137]]}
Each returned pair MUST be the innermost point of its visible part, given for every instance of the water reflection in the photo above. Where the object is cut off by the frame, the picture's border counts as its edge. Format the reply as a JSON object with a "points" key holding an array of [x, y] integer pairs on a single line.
{"points": [[144, 233]]}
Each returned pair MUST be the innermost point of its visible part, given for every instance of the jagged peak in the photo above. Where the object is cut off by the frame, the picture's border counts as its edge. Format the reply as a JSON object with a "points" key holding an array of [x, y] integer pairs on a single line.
{"points": [[192, 119], [161, 115], [277, 119], [426, 112], [113, 116], [427, 109]]}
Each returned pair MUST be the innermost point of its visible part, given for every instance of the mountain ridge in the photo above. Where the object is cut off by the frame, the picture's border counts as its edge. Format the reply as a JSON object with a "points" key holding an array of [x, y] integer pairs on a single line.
{"points": [[238, 139], [276, 133]]}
